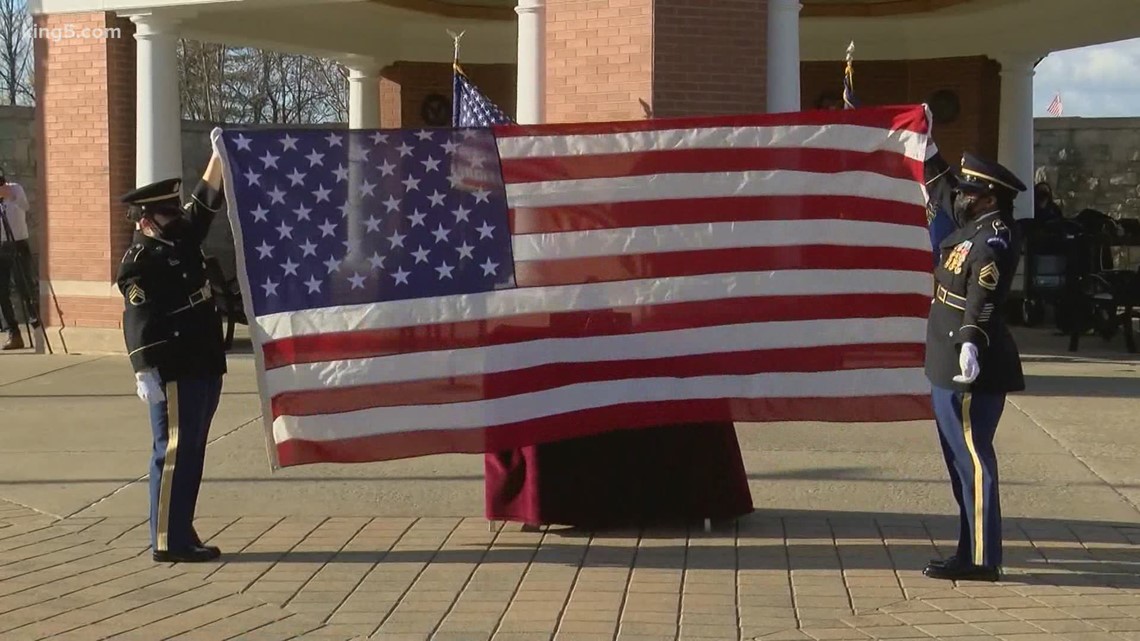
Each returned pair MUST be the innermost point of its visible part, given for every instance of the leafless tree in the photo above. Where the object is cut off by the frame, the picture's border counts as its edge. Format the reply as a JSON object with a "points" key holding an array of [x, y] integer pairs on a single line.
{"points": [[246, 85], [16, 70]]}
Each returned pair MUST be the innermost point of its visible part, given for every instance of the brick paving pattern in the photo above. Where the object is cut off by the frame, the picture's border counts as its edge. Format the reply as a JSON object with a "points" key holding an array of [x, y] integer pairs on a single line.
{"points": [[765, 577]]}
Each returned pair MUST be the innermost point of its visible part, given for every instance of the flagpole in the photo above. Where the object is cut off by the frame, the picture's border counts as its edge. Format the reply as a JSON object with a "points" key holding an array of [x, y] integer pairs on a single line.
{"points": [[455, 56], [849, 78]]}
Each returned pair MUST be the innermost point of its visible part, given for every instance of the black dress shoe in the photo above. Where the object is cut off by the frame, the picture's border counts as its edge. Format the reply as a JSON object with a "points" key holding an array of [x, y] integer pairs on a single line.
{"points": [[198, 544], [962, 572], [189, 555], [952, 560], [15, 341]]}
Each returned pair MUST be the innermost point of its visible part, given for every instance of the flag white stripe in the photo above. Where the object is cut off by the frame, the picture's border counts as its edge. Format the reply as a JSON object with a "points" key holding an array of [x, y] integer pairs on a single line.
{"points": [[836, 137], [779, 182], [681, 342], [589, 296], [532, 405], [725, 235]]}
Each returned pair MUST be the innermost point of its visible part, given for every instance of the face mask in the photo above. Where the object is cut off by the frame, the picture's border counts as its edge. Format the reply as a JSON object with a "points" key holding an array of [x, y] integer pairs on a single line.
{"points": [[964, 209], [175, 229]]}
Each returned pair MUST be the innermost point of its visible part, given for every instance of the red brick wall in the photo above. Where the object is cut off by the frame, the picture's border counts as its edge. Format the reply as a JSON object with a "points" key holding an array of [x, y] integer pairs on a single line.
{"points": [[121, 162], [629, 59], [404, 85], [975, 79], [391, 110], [599, 59], [86, 146], [709, 58], [83, 311]]}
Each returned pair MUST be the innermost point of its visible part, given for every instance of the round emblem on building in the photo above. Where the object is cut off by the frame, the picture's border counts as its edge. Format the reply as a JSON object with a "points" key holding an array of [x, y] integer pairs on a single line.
{"points": [[944, 106], [436, 110]]}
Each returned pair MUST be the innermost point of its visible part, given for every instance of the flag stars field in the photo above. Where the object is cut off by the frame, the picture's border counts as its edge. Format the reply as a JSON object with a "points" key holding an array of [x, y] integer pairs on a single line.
{"points": [[368, 226]]}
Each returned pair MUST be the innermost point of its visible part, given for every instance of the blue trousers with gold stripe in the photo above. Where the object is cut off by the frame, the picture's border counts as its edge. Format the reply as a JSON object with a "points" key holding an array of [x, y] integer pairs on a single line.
{"points": [[967, 423], [180, 426]]}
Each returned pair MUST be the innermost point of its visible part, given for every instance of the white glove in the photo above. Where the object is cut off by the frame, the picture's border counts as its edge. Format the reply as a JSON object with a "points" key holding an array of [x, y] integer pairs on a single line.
{"points": [[968, 361], [149, 387]]}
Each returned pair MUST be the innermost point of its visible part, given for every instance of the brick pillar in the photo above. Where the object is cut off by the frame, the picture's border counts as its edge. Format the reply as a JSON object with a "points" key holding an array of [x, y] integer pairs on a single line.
{"points": [[85, 90], [619, 59]]}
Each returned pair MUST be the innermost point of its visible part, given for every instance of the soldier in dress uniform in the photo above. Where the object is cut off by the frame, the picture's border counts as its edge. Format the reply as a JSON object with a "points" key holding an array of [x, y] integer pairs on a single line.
{"points": [[173, 333], [971, 359]]}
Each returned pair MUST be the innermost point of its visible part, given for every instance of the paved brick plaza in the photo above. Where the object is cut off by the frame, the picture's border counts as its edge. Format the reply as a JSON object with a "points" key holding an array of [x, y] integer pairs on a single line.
{"points": [[845, 521]]}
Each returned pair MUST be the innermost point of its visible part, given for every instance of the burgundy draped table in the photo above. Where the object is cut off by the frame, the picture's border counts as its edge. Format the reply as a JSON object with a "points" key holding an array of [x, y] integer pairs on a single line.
{"points": [[669, 474]]}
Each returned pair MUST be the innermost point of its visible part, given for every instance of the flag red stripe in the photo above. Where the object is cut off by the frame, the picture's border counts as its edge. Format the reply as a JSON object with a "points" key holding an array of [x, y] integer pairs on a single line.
{"points": [[905, 117], [458, 389], [387, 447], [562, 218], [569, 271], [644, 163], [332, 346]]}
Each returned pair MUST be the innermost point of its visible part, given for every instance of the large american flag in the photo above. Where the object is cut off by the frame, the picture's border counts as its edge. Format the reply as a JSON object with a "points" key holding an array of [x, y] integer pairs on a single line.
{"points": [[614, 275]]}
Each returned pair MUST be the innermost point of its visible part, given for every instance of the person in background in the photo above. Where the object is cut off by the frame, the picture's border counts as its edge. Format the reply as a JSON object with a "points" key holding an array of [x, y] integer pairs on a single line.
{"points": [[1045, 208], [15, 258]]}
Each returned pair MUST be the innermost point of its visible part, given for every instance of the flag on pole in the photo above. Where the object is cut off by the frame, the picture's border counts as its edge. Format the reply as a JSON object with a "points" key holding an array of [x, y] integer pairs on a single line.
{"points": [[1056, 107], [616, 275], [470, 106], [849, 101]]}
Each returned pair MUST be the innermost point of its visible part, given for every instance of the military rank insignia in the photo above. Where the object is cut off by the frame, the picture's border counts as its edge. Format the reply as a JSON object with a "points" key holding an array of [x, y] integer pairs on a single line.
{"points": [[957, 257], [136, 295], [988, 276]]}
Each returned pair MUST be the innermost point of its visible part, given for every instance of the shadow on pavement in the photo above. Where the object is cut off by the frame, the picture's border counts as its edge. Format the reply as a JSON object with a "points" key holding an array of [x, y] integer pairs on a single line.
{"points": [[811, 474], [1080, 386], [1037, 551]]}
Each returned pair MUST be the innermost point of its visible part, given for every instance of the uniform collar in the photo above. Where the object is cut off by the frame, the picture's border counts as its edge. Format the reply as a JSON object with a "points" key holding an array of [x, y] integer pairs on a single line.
{"points": [[978, 221]]}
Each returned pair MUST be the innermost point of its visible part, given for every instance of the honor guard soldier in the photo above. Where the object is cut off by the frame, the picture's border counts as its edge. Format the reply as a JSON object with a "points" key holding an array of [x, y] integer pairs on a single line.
{"points": [[971, 359], [173, 333]]}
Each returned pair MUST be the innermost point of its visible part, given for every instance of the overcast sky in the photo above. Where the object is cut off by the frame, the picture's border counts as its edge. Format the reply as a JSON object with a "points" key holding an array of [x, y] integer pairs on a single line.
{"points": [[1098, 81]]}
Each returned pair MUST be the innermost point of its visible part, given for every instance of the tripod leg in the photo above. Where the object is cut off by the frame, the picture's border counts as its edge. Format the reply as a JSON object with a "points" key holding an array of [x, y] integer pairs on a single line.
{"points": [[24, 288]]}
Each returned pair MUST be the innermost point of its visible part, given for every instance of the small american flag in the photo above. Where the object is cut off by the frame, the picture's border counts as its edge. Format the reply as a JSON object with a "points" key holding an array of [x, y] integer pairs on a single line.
{"points": [[470, 106], [1056, 107], [616, 275]]}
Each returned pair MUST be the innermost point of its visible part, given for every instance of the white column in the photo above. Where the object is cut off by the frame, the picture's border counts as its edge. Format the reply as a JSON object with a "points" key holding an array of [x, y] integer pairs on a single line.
{"points": [[158, 111], [783, 56], [531, 84], [363, 113], [363, 93], [1015, 135]]}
